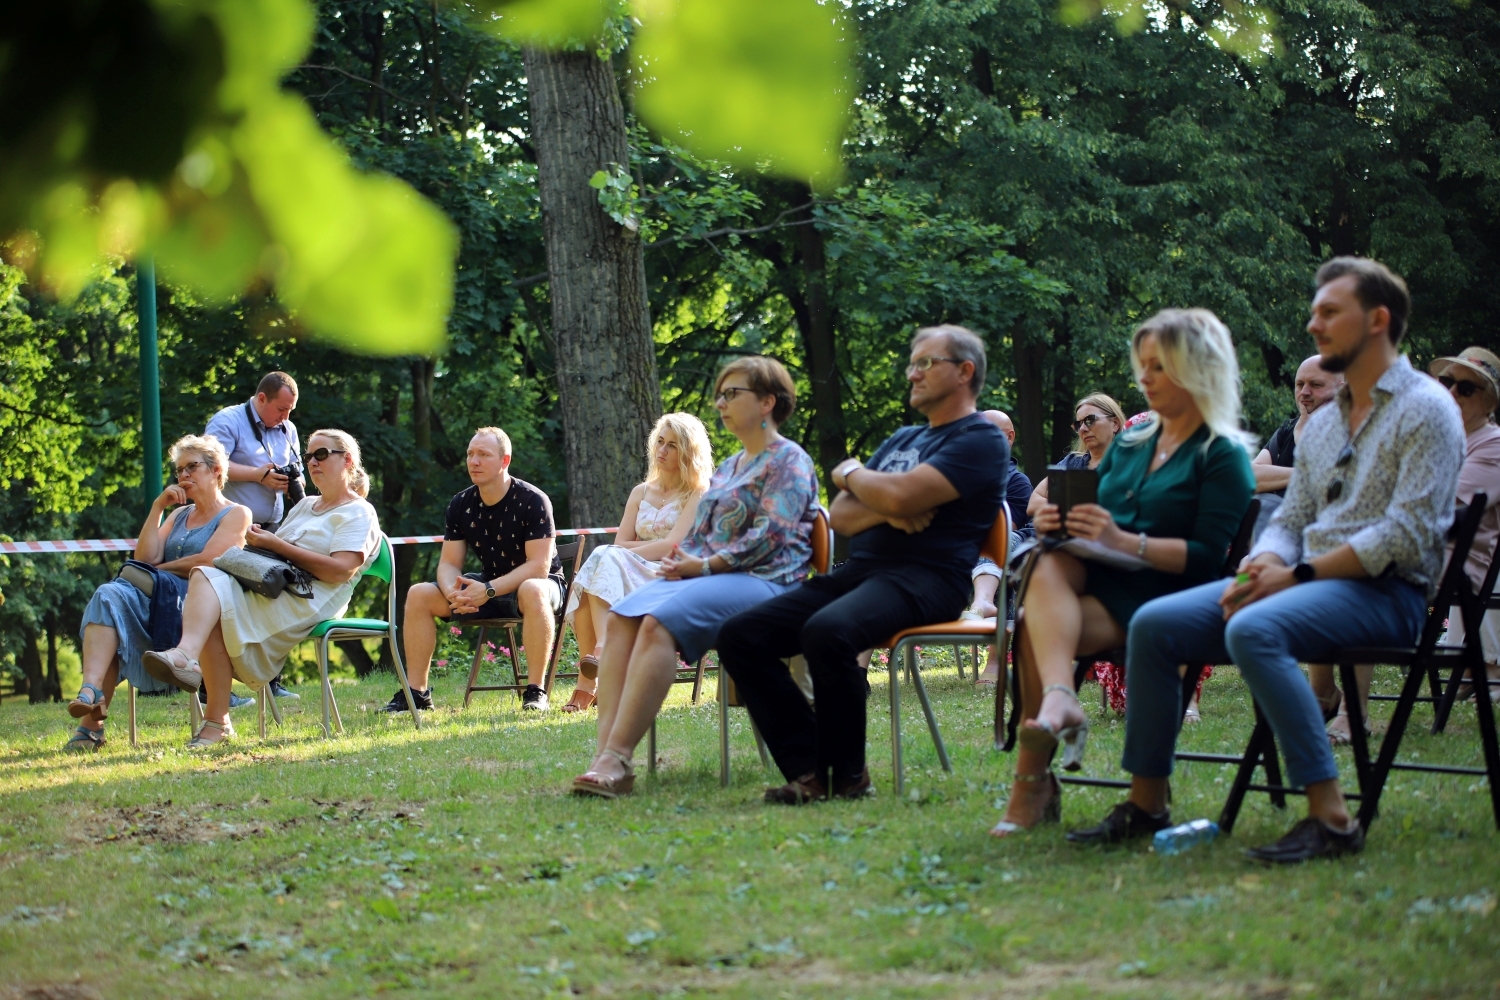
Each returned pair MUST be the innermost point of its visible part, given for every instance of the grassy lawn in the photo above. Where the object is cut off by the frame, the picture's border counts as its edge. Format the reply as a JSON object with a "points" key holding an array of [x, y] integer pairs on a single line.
{"points": [[452, 862]]}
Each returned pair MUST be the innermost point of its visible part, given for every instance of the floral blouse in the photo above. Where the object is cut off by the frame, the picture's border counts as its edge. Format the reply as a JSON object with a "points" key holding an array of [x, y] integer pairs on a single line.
{"points": [[757, 514]]}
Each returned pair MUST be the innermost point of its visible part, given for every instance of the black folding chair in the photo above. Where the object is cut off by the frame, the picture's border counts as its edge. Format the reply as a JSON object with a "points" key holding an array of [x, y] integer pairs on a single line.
{"points": [[1421, 662], [1485, 600], [571, 555]]}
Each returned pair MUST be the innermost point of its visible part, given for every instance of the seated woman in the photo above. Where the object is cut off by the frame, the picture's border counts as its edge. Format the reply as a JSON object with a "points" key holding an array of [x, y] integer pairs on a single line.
{"points": [[233, 632], [1172, 492], [751, 540], [657, 516], [117, 624]]}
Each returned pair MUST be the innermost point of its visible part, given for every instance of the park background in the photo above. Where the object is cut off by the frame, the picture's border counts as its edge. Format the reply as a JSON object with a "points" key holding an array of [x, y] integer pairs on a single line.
{"points": [[1045, 175]]}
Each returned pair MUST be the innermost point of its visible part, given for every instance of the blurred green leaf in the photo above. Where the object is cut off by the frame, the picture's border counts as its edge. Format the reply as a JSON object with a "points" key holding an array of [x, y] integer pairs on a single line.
{"points": [[757, 83], [550, 23], [386, 908]]}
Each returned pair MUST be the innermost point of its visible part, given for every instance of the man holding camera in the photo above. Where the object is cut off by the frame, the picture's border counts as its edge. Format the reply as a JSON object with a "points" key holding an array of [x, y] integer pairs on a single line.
{"points": [[262, 445], [508, 523]]}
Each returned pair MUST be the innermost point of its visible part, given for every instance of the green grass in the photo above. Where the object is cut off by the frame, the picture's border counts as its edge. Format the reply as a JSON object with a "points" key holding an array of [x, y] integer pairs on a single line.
{"points": [[453, 863]]}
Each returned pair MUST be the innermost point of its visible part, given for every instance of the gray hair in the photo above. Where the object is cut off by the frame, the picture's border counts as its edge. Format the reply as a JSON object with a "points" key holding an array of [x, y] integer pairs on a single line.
{"points": [[963, 345]]}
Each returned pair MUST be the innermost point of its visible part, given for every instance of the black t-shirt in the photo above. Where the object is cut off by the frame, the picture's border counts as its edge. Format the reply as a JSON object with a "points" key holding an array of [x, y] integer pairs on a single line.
{"points": [[498, 534], [1017, 496], [1283, 447], [974, 456]]}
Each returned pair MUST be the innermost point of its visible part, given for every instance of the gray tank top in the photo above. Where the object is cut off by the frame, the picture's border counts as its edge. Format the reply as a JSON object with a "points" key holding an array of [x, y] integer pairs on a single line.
{"points": [[183, 541]]}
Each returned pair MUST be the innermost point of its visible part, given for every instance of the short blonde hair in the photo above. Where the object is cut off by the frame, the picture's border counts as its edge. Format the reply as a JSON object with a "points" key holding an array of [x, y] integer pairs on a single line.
{"points": [[1101, 401], [206, 447], [501, 438], [767, 377], [1198, 354], [696, 455], [354, 467]]}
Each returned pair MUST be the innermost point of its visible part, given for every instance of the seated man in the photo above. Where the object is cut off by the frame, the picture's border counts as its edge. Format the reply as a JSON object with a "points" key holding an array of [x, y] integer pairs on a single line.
{"points": [[986, 574], [916, 516], [1314, 387], [509, 524], [1351, 559]]}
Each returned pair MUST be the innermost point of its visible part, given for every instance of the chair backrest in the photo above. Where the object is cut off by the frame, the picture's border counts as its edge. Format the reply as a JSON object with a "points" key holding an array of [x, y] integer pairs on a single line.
{"points": [[822, 541], [1240, 547], [383, 567], [572, 552], [997, 543], [1455, 588]]}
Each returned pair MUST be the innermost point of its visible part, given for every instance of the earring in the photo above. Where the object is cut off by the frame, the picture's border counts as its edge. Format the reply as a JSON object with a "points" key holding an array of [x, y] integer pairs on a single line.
{"points": [[762, 425]]}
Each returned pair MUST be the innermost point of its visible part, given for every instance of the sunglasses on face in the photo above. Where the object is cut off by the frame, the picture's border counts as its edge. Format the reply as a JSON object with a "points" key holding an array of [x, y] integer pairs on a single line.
{"points": [[321, 455], [1336, 488], [1463, 387], [188, 469], [1088, 421]]}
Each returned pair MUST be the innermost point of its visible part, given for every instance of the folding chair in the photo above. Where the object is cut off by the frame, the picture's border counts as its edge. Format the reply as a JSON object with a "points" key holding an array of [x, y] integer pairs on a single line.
{"points": [[1420, 661], [571, 556], [1238, 549], [988, 632], [1485, 600], [383, 568], [822, 552]]}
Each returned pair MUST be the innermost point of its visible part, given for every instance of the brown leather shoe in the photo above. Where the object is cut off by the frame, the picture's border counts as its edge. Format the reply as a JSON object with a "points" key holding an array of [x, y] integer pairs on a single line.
{"points": [[798, 792], [855, 788]]}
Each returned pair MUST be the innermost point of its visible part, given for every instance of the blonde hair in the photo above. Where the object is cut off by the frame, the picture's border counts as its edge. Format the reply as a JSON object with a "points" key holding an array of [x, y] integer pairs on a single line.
{"points": [[355, 475], [207, 448], [695, 454], [1100, 401], [502, 439], [1198, 354]]}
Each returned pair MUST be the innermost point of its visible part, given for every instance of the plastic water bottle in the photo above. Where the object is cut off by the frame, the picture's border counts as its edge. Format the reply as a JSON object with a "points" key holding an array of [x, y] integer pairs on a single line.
{"points": [[1184, 837]]}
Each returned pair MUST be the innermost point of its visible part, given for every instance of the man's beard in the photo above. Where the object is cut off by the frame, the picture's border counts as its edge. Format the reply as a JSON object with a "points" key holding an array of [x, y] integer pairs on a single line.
{"points": [[1341, 362]]}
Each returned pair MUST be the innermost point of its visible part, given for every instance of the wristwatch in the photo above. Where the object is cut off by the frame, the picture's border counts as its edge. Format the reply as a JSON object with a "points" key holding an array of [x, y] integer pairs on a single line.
{"points": [[1304, 572], [489, 590], [707, 569]]}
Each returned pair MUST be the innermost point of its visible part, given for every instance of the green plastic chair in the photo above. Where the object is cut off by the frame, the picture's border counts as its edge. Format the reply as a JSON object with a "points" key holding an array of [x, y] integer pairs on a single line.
{"points": [[383, 568]]}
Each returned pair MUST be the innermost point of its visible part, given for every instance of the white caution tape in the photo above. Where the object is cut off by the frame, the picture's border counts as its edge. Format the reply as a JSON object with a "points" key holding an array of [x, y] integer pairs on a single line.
{"points": [[128, 544]]}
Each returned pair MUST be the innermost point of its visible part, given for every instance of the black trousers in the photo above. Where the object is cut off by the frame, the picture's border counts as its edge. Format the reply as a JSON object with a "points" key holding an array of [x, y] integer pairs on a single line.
{"points": [[830, 620]]}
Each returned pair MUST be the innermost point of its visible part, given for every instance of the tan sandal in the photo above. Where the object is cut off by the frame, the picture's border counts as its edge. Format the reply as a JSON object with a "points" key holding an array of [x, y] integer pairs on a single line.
{"points": [[581, 701], [200, 742], [178, 670], [606, 786]]}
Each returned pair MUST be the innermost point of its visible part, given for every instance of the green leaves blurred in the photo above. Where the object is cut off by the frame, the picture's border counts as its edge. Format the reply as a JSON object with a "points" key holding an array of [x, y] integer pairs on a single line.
{"points": [[763, 84], [161, 127]]}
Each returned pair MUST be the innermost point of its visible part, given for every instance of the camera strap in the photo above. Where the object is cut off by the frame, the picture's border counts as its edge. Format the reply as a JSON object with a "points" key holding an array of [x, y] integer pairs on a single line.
{"points": [[294, 491]]}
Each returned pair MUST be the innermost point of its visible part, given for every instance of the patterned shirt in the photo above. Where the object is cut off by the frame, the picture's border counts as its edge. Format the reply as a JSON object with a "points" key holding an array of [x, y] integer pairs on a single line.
{"points": [[758, 514], [498, 533], [1394, 502]]}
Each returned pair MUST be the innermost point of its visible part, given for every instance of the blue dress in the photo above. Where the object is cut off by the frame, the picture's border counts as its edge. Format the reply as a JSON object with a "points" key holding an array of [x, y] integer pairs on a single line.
{"points": [[122, 607]]}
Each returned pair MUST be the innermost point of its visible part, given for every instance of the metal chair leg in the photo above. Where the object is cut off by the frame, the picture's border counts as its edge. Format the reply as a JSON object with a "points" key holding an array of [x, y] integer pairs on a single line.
{"points": [[932, 726], [895, 675], [651, 749], [760, 744], [723, 728], [133, 743], [275, 708], [474, 667], [698, 680], [195, 714], [958, 659], [515, 661], [411, 703], [326, 688], [260, 708]]}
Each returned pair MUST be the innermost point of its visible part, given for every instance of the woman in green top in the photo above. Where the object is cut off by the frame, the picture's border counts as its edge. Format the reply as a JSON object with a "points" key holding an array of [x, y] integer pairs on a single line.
{"points": [[1172, 492]]}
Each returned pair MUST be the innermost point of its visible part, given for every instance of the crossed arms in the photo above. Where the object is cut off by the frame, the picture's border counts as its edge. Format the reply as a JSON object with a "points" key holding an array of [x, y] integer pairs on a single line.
{"points": [[904, 500]]}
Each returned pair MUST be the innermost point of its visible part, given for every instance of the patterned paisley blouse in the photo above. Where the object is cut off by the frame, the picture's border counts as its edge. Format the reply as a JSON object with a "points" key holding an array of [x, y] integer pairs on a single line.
{"points": [[758, 514]]}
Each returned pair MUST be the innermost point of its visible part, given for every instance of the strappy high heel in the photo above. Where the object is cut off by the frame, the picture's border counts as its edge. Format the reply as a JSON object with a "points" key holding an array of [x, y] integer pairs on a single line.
{"points": [[163, 666], [605, 786], [1041, 736], [1051, 812], [200, 743]]}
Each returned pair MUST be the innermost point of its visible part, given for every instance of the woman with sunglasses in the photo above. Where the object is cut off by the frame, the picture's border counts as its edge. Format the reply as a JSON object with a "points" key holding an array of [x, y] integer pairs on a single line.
{"points": [[118, 623], [1096, 420], [751, 540], [228, 631]]}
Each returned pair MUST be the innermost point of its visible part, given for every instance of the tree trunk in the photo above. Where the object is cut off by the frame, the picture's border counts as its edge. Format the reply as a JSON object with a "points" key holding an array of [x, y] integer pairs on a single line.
{"points": [[359, 657], [30, 661], [601, 324], [815, 318], [1029, 354], [423, 371], [1062, 391], [54, 680]]}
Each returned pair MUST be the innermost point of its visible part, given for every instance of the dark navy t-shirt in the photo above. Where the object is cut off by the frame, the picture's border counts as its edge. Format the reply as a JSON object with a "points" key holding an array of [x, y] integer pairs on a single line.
{"points": [[498, 534], [974, 456]]}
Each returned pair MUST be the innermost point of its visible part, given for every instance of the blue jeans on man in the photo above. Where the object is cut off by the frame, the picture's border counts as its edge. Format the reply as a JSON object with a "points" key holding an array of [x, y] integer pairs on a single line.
{"points": [[1267, 641]]}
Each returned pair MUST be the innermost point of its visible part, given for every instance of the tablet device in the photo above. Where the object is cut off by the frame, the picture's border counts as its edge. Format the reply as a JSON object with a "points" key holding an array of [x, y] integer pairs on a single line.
{"points": [[1068, 488]]}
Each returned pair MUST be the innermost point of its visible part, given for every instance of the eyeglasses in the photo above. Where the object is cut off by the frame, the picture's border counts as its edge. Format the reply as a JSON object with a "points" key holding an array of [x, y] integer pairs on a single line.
{"points": [[1464, 387], [1336, 488], [321, 455], [925, 364], [188, 469], [728, 395], [1088, 421]]}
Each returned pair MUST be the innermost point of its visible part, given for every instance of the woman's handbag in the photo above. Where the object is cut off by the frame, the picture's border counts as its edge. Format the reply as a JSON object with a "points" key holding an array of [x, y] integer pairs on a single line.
{"points": [[264, 573]]}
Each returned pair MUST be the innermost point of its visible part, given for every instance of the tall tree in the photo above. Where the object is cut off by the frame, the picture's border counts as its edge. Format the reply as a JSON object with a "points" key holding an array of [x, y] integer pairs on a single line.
{"points": [[601, 325]]}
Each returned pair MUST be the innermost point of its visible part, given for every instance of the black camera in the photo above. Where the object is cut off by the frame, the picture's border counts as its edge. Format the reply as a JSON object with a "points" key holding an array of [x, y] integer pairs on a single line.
{"points": [[293, 472]]}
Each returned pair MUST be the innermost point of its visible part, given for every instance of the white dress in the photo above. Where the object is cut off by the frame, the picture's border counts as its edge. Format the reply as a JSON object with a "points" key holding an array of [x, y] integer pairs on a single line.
{"points": [[260, 631], [611, 572]]}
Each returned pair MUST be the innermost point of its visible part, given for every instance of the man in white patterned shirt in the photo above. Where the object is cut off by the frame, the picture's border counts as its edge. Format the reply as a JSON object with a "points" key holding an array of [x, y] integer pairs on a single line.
{"points": [[1351, 559]]}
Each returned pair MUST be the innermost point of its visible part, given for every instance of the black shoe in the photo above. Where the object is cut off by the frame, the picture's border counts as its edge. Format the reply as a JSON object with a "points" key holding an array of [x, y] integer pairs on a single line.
{"points": [[280, 692], [397, 704], [855, 788], [1311, 838], [1126, 821], [533, 699], [798, 792]]}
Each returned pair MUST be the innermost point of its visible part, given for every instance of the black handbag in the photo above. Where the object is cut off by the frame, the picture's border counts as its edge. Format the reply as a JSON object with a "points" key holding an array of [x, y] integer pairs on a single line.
{"points": [[264, 573]]}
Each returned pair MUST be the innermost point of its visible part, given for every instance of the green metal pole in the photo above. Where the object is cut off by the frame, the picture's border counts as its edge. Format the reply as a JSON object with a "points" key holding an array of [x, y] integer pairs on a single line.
{"points": [[145, 285]]}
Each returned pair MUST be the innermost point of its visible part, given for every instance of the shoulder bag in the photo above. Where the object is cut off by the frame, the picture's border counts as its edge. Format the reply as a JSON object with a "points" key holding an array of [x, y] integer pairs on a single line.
{"points": [[264, 573]]}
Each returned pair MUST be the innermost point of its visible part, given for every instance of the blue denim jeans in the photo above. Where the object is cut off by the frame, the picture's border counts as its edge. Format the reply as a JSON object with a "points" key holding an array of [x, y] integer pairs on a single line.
{"points": [[1266, 641]]}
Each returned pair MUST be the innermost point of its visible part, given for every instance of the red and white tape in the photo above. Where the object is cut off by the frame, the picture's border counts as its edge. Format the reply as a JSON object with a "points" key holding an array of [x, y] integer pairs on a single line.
{"points": [[128, 544]]}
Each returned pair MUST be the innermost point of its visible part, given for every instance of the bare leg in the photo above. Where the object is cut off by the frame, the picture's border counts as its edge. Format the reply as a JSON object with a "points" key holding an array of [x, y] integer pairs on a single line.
{"points": [[424, 603], [613, 666], [991, 673], [1149, 794], [218, 676], [1325, 686], [588, 626], [985, 587], [100, 668], [200, 618], [1325, 801], [536, 626], [1338, 727], [653, 664]]}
